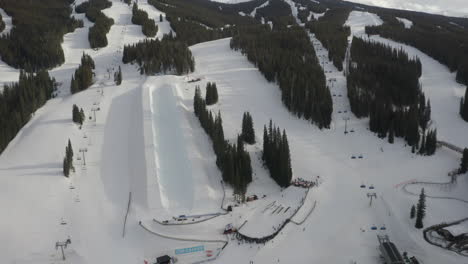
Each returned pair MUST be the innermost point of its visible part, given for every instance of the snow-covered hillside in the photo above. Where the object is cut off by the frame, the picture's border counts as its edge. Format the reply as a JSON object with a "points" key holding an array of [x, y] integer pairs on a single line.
{"points": [[146, 151]]}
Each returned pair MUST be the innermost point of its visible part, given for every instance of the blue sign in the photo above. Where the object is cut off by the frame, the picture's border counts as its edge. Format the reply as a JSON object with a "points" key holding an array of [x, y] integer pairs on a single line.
{"points": [[189, 250]]}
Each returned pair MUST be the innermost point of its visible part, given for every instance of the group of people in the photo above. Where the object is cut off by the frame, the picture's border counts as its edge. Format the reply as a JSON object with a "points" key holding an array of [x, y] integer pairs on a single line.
{"points": [[261, 240]]}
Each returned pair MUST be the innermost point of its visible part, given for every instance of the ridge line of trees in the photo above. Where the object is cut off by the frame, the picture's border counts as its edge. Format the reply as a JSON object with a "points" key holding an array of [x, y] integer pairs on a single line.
{"points": [[434, 35], [231, 158]]}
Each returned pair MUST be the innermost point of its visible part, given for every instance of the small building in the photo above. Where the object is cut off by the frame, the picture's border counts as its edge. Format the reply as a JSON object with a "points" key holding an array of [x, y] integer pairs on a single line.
{"points": [[388, 250], [164, 260]]}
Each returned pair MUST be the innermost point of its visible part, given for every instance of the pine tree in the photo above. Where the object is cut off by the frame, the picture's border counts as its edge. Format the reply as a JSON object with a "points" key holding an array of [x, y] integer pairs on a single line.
{"points": [[118, 77], [420, 210], [76, 114], [160, 18], [82, 115], [248, 132], [413, 212], [66, 168], [464, 161], [68, 160], [211, 96], [276, 155], [464, 106]]}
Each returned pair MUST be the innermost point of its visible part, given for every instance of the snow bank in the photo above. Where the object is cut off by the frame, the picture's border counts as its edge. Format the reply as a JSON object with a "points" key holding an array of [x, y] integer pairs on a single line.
{"points": [[358, 21]]}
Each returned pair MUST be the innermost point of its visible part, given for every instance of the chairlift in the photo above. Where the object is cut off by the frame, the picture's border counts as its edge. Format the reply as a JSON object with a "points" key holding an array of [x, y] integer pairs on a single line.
{"points": [[360, 156], [352, 131], [63, 222], [339, 95], [363, 186], [383, 228], [371, 187], [72, 187], [353, 157], [78, 158], [339, 112], [345, 111], [373, 228]]}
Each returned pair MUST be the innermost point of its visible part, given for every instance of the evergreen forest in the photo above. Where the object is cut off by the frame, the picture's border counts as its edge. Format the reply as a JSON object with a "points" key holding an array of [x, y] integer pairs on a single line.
{"points": [[20, 100], [332, 33], [231, 158], [102, 24], [34, 42], [383, 84], [287, 57], [140, 17], [160, 56], [83, 77], [276, 155]]}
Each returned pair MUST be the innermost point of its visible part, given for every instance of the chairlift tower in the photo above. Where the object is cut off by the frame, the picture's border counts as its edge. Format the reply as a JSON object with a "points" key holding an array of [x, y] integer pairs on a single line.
{"points": [[62, 245], [94, 109], [346, 119], [83, 150], [371, 195]]}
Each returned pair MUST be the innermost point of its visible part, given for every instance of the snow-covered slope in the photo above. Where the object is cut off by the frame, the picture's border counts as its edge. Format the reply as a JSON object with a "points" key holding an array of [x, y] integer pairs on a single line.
{"points": [[147, 145], [343, 208]]}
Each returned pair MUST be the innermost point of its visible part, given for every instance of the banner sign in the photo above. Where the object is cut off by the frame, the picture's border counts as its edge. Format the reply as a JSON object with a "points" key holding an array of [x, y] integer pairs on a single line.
{"points": [[189, 250]]}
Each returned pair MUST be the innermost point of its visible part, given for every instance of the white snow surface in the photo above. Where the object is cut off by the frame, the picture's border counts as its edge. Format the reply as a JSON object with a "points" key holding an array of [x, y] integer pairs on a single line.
{"points": [[407, 23], [147, 141], [358, 21], [8, 22]]}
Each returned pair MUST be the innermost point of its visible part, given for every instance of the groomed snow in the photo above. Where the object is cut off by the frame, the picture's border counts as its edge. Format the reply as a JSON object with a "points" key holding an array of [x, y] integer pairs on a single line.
{"points": [[8, 22], [407, 23], [187, 176]]}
